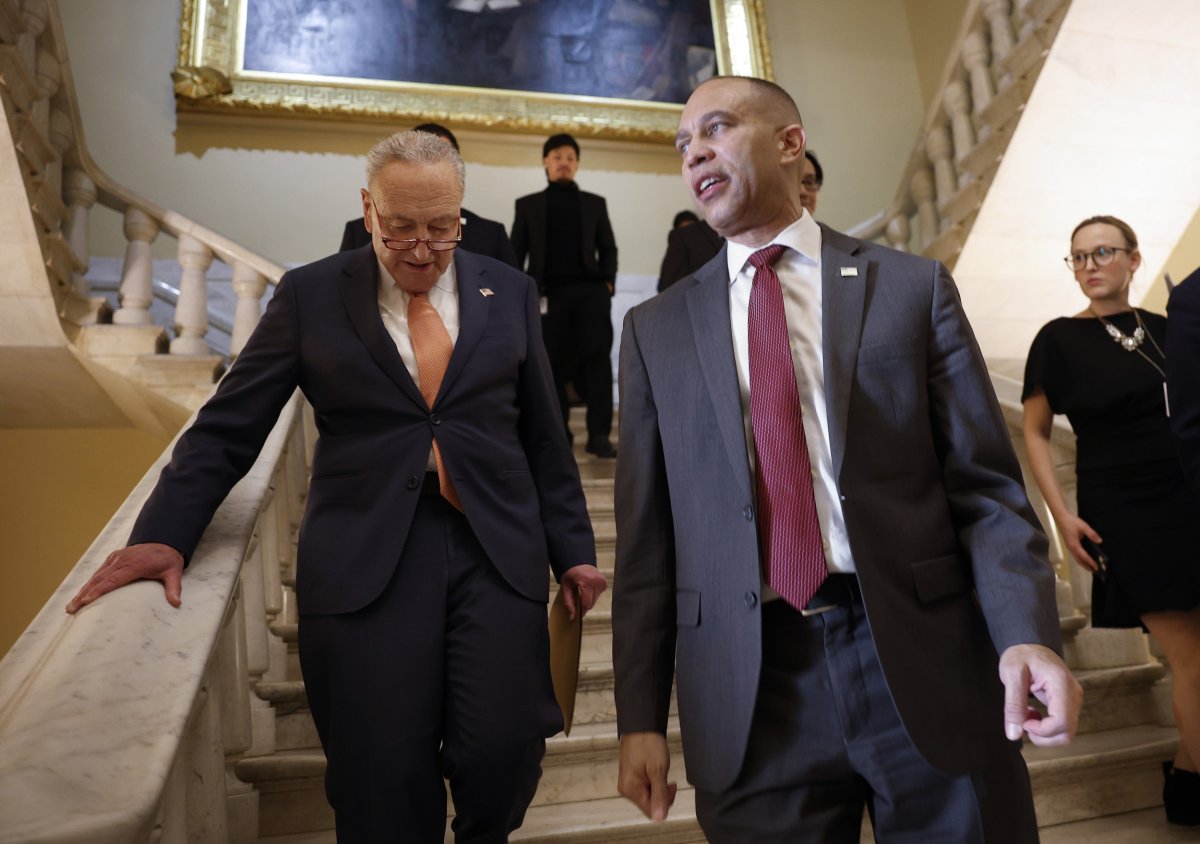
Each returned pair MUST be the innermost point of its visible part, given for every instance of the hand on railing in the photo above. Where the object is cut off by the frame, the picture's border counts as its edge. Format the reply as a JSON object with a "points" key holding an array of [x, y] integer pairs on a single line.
{"points": [[1074, 530], [148, 561]]}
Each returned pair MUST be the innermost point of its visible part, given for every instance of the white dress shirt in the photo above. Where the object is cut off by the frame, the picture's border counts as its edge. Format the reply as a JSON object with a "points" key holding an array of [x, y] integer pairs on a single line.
{"points": [[799, 271], [393, 308]]}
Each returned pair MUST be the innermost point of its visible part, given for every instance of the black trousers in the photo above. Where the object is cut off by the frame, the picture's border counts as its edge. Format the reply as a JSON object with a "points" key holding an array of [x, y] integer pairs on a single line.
{"points": [[446, 674], [578, 333], [827, 741]]}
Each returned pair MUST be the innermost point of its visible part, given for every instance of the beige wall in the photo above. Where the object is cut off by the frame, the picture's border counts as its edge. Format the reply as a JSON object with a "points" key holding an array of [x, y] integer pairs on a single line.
{"points": [[1184, 260], [850, 67], [61, 486], [933, 26], [286, 192]]}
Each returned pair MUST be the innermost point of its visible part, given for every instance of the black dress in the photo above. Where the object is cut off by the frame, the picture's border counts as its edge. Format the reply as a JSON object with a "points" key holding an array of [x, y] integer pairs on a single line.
{"points": [[1131, 488]]}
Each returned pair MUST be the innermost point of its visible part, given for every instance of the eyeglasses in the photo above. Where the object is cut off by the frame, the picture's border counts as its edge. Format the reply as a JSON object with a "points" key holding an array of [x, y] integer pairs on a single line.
{"points": [[1101, 256], [404, 244], [810, 185]]}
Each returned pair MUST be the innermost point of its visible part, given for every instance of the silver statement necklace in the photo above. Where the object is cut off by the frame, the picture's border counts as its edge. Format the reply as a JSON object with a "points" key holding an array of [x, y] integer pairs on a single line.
{"points": [[1133, 342]]}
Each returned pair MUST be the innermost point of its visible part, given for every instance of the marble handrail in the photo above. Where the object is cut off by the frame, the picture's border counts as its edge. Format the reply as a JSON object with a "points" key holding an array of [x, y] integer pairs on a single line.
{"points": [[1062, 451], [987, 78], [116, 723]]}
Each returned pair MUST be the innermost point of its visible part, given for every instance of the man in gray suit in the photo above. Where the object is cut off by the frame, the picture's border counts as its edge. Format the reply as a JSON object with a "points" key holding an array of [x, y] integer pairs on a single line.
{"points": [[809, 416]]}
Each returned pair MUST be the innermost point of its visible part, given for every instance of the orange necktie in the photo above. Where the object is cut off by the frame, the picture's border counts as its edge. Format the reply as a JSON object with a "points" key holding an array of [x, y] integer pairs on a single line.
{"points": [[432, 347]]}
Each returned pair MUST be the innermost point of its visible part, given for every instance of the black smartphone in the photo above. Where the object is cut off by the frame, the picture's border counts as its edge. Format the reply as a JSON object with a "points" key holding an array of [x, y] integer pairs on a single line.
{"points": [[1097, 554]]}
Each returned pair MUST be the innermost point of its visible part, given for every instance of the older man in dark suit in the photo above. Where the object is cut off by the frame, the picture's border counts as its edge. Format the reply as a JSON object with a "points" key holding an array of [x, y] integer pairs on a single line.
{"points": [[479, 234], [1183, 373], [442, 489], [565, 234], [821, 529]]}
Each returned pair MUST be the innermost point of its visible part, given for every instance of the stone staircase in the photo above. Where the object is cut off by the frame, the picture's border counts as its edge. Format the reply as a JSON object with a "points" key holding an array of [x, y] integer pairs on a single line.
{"points": [[1111, 768]]}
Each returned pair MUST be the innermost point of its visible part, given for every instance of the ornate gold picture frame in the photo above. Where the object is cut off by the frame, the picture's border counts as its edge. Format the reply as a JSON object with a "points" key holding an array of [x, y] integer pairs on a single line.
{"points": [[211, 77]]}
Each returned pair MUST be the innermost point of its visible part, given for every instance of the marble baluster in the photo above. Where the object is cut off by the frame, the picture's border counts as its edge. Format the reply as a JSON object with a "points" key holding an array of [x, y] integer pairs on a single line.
{"points": [[61, 137], [957, 106], [49, 78], [1026, 23], [938, 150], [999, 17], [921, 185], [172, 823], [203, 749], [233, 696], [248, 285], [137, 276], [898, 232], [975, 57], [191, 311], [35, 14], [79, 191]]}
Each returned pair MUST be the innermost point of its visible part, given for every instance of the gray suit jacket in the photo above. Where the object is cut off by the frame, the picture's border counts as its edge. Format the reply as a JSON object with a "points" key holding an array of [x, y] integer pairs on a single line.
{"points": [[951, 559]]}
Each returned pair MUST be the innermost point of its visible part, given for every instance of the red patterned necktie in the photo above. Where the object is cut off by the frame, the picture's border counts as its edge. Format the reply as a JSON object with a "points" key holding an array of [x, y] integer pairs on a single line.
{"points": [[432, 348], [789, 534]]}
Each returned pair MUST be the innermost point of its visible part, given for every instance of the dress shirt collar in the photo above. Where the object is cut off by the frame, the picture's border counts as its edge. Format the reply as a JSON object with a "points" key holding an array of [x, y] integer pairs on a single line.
{"points": [[393, 295], [802, 236]]}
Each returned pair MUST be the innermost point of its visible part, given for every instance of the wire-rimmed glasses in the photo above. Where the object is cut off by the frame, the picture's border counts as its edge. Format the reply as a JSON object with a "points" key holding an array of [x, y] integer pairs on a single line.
{"points": [[403, 244]]}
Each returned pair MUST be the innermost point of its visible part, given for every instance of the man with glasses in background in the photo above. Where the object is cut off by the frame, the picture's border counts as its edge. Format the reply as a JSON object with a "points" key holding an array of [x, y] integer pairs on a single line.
{"points": [[442, 489]]}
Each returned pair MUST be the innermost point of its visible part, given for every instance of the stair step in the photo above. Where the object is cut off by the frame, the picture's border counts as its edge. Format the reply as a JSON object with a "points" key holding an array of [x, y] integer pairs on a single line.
{"points": [[611, 819], [576, 768], [1119, 697], [1099, 774], [1141, 826]]}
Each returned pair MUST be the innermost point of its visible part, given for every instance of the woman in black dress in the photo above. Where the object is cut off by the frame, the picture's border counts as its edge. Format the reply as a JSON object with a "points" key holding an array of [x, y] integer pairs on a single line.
{"points": [[1104, 369]]}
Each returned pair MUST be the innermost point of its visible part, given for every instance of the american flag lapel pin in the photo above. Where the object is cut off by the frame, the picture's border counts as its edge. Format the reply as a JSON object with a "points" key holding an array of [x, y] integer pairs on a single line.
{"points": [[851, 272], [485, 292]]}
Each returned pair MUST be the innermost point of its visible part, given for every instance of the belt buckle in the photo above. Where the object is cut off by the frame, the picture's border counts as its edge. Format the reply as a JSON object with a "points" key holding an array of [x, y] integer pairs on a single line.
{"points": [[808, 613]]}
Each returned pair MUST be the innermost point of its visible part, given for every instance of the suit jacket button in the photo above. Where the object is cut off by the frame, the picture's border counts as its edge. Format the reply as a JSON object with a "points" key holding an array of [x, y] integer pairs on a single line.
{"points": [[435, 419], [751, 600], [748, 512], [414, 482]]}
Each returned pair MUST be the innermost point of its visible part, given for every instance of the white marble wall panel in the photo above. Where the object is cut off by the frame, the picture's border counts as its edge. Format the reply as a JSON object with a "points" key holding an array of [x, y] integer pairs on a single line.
{"points": [[1109, 129]]}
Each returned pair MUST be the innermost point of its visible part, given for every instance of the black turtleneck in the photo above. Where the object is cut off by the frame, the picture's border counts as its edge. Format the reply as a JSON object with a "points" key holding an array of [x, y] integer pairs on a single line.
{"points": [[564, 235]]}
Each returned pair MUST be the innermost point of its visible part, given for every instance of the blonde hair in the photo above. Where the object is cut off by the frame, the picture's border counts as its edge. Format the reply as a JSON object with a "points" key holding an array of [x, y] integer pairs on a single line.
{"points": [[1117, 223]]}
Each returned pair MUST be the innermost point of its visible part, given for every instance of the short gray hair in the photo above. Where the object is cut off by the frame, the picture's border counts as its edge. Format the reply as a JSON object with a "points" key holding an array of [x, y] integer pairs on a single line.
{"points": [[415, 148]]}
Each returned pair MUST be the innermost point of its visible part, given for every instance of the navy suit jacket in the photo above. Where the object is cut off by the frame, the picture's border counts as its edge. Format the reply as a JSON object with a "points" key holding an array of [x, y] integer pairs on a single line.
{"points": [[479, 235], [950, 556], [496, 419], [1183, 373]]}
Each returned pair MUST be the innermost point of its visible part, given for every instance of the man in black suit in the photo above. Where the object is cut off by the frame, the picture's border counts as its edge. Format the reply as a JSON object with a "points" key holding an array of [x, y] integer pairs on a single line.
{"points": [[442, 488], [566, 236], [690, 247], [1183, 373], [479, 234]]}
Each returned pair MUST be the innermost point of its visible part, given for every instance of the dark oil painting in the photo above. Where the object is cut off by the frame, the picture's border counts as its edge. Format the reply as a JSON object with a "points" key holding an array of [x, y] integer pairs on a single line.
{"points": [[650, 50]]}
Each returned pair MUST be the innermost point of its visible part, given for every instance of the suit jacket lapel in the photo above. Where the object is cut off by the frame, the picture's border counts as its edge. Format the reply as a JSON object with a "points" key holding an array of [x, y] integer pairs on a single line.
{"points": [[473, 308], [843, 293], [708, 305], [358, 288]]}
